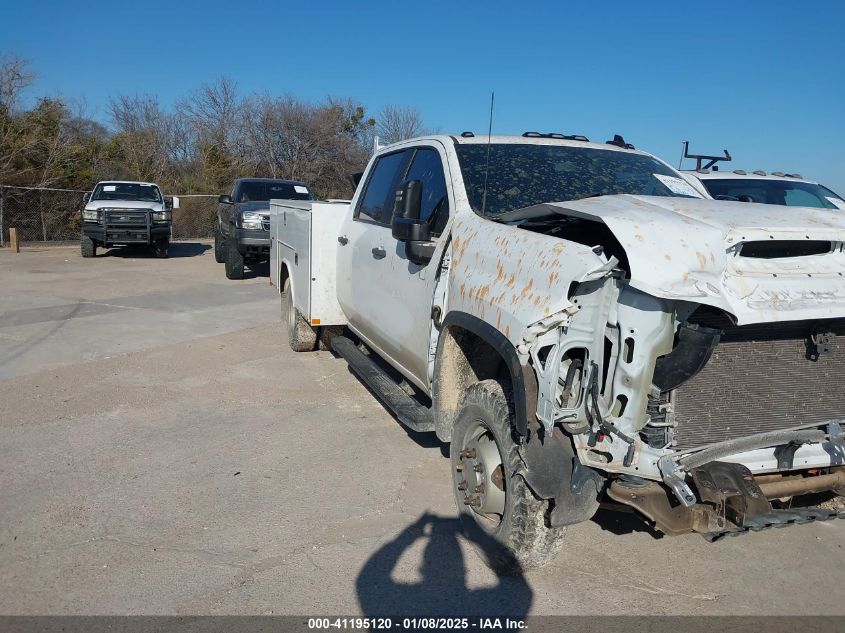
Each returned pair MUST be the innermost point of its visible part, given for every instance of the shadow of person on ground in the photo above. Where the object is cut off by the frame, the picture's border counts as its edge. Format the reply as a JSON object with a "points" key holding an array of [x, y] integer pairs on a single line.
{"points": [[176, 249], [443, 590]]}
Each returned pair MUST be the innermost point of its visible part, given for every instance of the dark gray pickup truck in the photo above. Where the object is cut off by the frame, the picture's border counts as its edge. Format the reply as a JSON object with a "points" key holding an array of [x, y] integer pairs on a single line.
{"points": [[243, 220]]}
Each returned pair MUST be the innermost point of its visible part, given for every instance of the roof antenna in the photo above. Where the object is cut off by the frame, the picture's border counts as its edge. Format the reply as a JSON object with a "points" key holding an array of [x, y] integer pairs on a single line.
{"points": [[487, 164], [685, 145]]}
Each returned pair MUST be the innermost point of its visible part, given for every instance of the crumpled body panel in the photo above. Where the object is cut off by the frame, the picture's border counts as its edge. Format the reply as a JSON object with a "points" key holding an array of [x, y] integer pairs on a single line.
{"points": [[689, 250]]}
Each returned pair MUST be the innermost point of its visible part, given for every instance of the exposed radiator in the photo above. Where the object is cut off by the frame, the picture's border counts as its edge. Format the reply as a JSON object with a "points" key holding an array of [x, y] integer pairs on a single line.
{"points": [[761, 378]]}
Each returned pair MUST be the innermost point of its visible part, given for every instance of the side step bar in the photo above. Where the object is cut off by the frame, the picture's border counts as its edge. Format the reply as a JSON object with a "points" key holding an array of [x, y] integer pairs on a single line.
{"points": [[409, 412]]}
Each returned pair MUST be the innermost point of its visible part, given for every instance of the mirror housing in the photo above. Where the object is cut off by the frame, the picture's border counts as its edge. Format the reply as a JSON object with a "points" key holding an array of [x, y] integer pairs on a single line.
{"points": [[407, 226], [171, 202], [745, 198], [86, 197], [225, 199]]}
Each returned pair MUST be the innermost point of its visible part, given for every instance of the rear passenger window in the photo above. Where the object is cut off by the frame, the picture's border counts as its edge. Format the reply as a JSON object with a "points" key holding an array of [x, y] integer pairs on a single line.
{"points": [[428, 169], [377, 200]]}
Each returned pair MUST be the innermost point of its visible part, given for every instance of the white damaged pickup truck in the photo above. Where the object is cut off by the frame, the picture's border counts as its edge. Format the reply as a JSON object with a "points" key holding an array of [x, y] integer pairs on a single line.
{"points": [[582, 326]]}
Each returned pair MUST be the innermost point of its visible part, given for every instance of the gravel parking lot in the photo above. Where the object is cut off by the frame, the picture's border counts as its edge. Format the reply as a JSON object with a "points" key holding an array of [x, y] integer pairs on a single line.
{"points": [[162, 451]]}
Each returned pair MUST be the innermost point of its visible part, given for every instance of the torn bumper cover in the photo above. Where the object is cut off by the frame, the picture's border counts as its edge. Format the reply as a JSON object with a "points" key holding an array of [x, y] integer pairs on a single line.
{"points": [[719, 498]]}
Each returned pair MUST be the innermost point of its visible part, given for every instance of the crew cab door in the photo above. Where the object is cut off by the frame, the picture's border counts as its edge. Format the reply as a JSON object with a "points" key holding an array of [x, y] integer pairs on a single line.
{"points": [[395, 317]]}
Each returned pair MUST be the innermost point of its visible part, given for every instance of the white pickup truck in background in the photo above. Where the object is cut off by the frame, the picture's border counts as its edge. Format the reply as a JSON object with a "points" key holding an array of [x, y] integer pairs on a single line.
{"points": [[580, 323]]}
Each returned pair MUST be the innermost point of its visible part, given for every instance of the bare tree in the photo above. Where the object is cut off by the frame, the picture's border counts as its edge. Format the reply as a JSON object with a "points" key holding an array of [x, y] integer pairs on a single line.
{"points": [[212, 123], [144, 139], [15, 77], [396, 123], [15, 141]]}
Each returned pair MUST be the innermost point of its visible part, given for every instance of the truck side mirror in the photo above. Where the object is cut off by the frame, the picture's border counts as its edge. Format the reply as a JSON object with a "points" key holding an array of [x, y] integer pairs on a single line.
{"points": [[175, 203], [407, 226], [171, 202], [225, 199], [86, 197], [745, 198]]}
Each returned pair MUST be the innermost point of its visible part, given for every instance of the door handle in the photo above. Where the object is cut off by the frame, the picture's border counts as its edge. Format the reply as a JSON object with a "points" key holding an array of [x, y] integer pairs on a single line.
{"points": [[343, 240], [379, 253]]}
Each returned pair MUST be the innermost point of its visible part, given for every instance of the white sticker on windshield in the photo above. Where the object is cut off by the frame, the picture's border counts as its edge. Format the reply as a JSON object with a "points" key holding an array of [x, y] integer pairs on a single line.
{"points": [[300, 189], [109, 187], [678, 185], [839, 204]]}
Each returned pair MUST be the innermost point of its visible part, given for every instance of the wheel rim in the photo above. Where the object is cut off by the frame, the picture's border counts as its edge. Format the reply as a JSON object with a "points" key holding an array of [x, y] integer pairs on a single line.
{"points": [[480, 477]]}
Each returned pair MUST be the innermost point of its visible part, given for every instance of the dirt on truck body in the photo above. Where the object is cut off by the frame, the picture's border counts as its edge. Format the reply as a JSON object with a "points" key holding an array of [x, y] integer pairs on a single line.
{"points": [[581, 324]]}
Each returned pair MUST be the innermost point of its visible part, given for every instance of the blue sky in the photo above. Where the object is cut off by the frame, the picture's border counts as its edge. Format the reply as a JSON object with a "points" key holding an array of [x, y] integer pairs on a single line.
{"points": [[764, 79]]}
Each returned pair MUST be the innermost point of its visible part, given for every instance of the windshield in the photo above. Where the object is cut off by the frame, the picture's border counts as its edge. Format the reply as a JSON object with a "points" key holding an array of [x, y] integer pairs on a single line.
{"points": [[784, 192], [126, 191], [258, 190], [524, 175]]}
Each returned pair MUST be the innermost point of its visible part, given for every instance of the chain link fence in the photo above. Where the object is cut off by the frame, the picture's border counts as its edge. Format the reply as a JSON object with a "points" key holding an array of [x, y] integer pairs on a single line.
{"points": [[53, 215]]}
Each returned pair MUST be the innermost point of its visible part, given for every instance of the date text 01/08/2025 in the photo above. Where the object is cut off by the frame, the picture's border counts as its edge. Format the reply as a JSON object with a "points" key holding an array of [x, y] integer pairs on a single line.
{"points": [[416, 624]]}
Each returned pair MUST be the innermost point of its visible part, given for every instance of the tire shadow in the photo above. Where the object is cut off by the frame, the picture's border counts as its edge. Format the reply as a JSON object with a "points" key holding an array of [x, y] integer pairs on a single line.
{"points": [[442, 590]]}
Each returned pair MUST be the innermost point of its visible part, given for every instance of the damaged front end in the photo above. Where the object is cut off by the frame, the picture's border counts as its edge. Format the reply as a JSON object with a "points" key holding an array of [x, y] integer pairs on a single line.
{"points": [[716, 407]]}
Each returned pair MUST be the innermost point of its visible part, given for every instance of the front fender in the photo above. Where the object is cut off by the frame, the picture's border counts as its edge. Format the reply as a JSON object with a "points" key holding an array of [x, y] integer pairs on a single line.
{"points": [[510, 278]]}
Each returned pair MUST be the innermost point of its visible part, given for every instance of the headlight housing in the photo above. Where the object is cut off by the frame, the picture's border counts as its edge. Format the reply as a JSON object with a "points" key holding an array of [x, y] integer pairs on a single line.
{"points": [[161, 216], [251, 220], [90, 215]]}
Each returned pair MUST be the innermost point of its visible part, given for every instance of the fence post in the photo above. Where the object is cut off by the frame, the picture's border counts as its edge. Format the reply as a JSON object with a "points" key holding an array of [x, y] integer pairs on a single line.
{"points": [[2, 223]]}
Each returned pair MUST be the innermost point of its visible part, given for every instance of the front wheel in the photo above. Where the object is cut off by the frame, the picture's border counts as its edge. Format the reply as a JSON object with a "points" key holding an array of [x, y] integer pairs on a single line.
{"points": [[88, 247], [161, 248], [219, 247], [499, 513], [301, 336], [234, 260]]}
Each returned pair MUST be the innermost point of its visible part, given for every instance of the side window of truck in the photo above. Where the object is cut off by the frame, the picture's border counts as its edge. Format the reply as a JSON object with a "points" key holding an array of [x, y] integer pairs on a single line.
{"points": [[427, 167], [376, 204]]}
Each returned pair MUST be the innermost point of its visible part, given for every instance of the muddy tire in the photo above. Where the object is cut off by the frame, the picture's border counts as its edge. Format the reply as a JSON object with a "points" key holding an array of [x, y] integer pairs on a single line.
{"points": [[219, 247], [161, 248], [503, 519], [88, 246], [234, 261], [301, 336]]}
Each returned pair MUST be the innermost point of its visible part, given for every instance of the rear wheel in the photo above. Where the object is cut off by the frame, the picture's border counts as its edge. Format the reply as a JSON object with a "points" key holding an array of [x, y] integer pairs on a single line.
{"points": [[219, 247], [161, 248], [499, 513], [301, 336], [234, 260], [89, 247]]}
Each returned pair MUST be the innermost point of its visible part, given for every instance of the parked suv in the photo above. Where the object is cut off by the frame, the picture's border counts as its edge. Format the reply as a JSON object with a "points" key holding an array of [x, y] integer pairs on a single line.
{"points": [[243, 220], [119, 212], [789, 190]]}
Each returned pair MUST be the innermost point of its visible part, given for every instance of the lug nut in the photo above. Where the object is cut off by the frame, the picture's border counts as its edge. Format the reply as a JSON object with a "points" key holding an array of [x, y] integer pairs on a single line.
{"points": [[478, 468], [479, 488], [460, 466], [468, 453], [472, 501], [462, 486]]}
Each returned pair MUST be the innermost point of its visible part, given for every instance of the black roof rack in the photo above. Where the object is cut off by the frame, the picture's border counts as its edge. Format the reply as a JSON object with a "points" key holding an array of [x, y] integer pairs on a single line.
{"points": [[712, 160], [620, 142], [557, 135]]}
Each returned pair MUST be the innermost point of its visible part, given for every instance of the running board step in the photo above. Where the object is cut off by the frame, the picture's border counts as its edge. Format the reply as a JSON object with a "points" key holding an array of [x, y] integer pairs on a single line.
{"points": [[409, 412]]}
